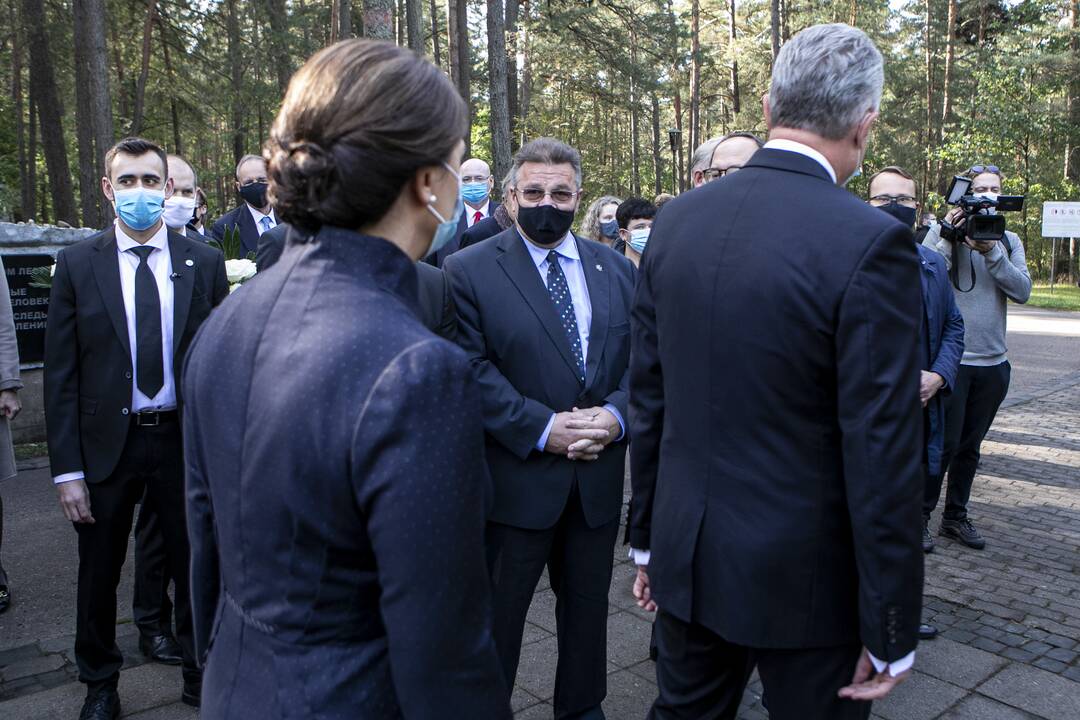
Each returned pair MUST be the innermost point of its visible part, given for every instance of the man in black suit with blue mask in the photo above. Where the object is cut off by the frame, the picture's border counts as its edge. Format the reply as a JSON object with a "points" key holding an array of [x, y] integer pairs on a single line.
{"points": [[543, 317]]}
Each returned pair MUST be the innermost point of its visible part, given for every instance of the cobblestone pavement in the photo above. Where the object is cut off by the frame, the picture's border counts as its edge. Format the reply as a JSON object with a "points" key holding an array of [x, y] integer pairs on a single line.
{"points": [[1009, 615]]}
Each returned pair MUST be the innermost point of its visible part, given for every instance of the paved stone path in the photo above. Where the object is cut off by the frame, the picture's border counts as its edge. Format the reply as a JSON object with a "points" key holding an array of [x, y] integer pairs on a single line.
{"points": [[1010, 615]]}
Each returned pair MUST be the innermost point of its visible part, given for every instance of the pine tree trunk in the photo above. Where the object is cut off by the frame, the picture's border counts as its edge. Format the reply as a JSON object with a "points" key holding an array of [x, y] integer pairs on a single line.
{"points": [[178, 145], [121, 78], [379, 19], [50, 112], [500, 110], [236, 76], [1072, 147], [774, 16], [435, 48], [144, 71], [657, 157], [695, 74], [946, 88], [94, 108], [25, 209], [279, 39], [929, 77], [414, 23], [31, 155], [512, 70], [635, 112], [735, 102], [526, 80]]}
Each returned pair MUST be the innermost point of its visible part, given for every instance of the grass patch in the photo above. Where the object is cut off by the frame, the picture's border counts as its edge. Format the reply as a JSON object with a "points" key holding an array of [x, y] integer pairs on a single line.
{"points": [[29, 451], [1065, 297]]}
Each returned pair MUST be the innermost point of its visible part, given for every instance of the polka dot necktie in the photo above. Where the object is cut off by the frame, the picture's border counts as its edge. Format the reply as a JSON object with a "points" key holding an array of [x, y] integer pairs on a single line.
{"points": [[564, 306]]}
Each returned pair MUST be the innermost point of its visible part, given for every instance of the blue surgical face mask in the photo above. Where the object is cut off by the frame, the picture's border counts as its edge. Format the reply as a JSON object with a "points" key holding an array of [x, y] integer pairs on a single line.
{"points": [[139, 208], [609, 229], [638, 239], [475, 192], [444, 233]]}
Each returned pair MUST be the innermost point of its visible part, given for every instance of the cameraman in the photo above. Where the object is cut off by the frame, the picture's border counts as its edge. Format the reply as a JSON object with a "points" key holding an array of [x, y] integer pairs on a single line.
{"points": [[998, 272]]}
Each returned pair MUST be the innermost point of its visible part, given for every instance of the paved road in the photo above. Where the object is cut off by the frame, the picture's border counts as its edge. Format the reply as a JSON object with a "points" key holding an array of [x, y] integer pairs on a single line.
{"points": [[1010, 615]]}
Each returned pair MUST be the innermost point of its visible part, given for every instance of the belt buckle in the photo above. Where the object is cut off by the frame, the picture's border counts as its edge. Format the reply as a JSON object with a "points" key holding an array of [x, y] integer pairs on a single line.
{"points": [[150, 418]]}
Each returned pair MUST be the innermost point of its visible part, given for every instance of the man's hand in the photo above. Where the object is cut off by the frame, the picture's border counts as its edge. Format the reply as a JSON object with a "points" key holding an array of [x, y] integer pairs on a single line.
{"points": [[954, 216], [9, 404], [981, 246], [929, 384], [563, 436], [75, 501], [594, 418], [868, 684], [642, 592]]}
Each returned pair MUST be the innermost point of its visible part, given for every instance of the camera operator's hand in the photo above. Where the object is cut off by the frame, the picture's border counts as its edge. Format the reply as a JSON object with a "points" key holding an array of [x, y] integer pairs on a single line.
{"points": [[955, 217], [984, 247]]}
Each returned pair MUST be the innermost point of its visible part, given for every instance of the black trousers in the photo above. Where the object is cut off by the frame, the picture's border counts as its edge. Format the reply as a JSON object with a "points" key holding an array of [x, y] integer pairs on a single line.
{"points": [[150, 606], [969, 413], [151, 464], [579, 560], [3, 574], [701, 676]]}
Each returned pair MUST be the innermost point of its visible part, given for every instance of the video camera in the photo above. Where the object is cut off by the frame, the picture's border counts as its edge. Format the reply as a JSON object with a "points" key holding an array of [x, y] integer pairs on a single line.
{"points": [[981, 221]]}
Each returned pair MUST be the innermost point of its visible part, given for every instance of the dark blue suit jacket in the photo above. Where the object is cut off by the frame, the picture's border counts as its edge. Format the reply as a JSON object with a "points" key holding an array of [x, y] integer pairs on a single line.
{"points": [[945, 329], [521, 358], [437, 259], [776, 423], [336, 498], [240, 217]]}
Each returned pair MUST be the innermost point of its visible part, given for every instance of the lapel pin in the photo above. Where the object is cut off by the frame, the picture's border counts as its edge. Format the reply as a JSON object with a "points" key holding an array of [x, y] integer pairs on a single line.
{"points": [[600, 268], [189, 263]]}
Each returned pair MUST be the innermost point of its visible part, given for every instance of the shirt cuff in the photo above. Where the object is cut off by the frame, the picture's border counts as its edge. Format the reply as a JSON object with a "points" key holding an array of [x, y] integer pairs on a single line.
{"points": [[641, 557], [618, 416], [542, 443], [895, 668], [68, 477]]}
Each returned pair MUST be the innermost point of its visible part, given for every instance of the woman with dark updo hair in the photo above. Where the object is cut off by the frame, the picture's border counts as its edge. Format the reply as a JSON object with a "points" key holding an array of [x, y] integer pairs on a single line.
{"points": [[336, 481]]}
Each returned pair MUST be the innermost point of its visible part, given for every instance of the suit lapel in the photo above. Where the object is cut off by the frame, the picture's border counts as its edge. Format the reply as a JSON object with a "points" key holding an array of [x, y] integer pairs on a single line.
{"points": [[518, 265], [596, 277], [106, 269], [249, 233], [183, 281]]}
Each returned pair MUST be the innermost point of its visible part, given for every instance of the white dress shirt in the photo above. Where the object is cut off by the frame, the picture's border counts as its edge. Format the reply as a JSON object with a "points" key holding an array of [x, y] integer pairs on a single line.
{"points": [[570, 262], [258, 216], [798, 147], [160, 262], [641, 557], [470, 213]]}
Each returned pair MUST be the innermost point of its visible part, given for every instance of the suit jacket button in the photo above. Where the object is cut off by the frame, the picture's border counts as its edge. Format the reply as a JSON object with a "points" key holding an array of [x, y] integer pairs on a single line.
{"points": [[128, 375], [124, 411]]}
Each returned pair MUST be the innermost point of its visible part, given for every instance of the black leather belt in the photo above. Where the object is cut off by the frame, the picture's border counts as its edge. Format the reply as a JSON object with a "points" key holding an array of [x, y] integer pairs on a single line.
{"points": [[153, 418]]}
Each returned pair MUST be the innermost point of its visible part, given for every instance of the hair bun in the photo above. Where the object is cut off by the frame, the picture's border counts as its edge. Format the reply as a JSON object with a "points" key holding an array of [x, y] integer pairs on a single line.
{"points": [[310, 159]]}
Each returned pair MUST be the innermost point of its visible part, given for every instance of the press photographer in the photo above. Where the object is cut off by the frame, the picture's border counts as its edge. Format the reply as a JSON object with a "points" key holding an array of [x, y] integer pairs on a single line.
{"points": [[988, 268]]}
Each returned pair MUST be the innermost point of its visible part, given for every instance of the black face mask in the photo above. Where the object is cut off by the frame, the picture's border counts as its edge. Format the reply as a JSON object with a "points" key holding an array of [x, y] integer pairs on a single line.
{"points": [[905, 215], [545, 224], [254, 194]]}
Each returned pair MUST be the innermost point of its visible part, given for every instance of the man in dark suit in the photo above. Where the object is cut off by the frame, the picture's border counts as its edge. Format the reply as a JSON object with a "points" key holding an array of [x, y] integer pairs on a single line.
{"points": [[124, 307], [436, 307], [476, 185], [255, 215], [543, 317], [775, 415], [501, 219]]}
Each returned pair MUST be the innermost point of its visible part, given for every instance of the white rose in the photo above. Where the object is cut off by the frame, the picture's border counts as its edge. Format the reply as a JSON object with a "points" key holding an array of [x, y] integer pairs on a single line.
{"points": [[239, 270]]}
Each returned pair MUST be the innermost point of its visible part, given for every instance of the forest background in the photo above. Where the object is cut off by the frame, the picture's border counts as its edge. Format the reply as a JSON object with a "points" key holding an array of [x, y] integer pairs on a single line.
{"points": [[634, 84]]}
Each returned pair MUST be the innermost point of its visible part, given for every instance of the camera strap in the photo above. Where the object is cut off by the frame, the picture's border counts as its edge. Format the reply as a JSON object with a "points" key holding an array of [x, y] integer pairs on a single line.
{"points": [[954, 267]]}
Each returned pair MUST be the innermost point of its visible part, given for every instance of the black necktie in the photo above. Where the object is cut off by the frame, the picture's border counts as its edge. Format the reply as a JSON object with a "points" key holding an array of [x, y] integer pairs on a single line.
{"points": [[564, 306], [148, 351]]}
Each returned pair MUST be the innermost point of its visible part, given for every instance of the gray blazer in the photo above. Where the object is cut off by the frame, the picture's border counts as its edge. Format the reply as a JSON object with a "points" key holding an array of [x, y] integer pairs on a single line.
{"points": [[9, 372]]}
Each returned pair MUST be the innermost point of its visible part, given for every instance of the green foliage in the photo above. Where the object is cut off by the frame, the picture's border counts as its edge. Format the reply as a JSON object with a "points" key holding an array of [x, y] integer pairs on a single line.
{"points": [[230, 244], [41, 277], [1064, 297]]}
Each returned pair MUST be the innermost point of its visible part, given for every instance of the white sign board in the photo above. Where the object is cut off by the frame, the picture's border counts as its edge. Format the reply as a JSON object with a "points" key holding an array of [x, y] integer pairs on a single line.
{"points": [[1061, 219]]}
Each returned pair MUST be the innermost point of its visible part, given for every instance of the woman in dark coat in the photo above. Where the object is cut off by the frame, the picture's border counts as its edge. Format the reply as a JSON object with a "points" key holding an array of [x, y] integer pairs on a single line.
{"points": [[336, 481]]}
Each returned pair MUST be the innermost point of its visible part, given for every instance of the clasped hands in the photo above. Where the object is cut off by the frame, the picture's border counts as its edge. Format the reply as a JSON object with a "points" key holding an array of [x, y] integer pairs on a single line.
{"points": [[582, 434]]}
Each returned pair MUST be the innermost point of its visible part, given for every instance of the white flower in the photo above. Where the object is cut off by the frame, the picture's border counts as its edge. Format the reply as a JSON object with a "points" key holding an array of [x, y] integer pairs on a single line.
{"points": [[234, 287], [239, 270]]}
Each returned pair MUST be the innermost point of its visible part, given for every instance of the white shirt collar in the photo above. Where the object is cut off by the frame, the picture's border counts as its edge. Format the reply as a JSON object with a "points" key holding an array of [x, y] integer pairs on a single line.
{"points": [[485, 209], [258, 215], [806, 150], [124, 242], [567, 248]]}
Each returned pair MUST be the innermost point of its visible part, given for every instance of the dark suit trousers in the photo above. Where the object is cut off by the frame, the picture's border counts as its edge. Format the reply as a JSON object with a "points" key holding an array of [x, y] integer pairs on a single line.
{"points": [[578, 559], [969, 412], [150, 603], [3, 575], [151, 463], [701, 676]]}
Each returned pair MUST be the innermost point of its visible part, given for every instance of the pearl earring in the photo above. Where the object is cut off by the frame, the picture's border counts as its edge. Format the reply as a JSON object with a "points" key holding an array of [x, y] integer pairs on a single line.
{"points": [[433, 198]]}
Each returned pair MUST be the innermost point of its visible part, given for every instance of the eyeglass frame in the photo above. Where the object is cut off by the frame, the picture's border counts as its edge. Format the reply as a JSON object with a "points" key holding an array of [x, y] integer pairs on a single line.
{"points": [[710, 174], [902, 200], [546, 194], [980, 169]]}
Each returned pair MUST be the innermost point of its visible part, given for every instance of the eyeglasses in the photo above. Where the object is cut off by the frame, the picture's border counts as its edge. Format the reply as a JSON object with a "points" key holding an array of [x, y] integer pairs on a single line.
{"points": [[711, 174], [535, 195], [905, 200], [980, 169]]}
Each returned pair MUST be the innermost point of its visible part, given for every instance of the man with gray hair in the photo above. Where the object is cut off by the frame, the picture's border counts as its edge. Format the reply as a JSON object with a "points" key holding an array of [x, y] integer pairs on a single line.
{"points": [[717, 157], [254, 216], [776, 418], [544, 318]]}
